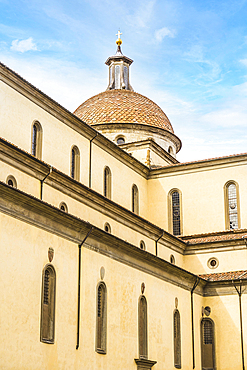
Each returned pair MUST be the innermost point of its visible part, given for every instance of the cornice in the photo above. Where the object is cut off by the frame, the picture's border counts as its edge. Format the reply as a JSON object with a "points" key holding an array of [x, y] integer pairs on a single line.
{"points": [[33, 211], [65, 184], [221, 288], [42, 100], [207, 164], [137, 126], [151, 144], [215, 246]]}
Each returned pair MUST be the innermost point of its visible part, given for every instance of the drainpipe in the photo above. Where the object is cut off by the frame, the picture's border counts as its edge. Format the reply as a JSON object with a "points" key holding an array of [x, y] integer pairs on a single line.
{"points": [[192, 320], [240, 292], [156, 243], [90, 160], [42, 182], [79, 287]]}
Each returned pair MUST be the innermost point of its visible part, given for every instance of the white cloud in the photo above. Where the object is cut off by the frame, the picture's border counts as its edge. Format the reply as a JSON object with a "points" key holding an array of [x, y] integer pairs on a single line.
{"points": [[243, 61], [162, 33], [23, 45]]}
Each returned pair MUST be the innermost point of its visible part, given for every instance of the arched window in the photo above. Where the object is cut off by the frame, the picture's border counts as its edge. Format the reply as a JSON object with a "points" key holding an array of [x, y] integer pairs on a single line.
{"points": [[101, 318], [36, 146], [120, 140], [107, 228], [47, 327], [207, 344], [107, 182], [177, 339], [63, 206], [75, 163], [11, 181], [232, 205], [142, 327], [142, 245], [135, 199], [175, 224], [170, 150], [172, 259]]}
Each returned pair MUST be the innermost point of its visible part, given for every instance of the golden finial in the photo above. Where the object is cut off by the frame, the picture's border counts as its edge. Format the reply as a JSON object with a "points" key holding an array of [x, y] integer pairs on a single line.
{"points": [[118, 41]]}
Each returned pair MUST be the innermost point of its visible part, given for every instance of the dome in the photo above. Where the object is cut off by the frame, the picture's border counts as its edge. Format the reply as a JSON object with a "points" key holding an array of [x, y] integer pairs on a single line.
{"points": [[122, 106]]}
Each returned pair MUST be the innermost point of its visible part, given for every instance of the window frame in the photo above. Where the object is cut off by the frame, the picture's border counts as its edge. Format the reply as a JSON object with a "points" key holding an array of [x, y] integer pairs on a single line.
{"points": [[51, 309], [177, 340], [13, 179], [204, 319], [107, 182], [135, 201], [226, 200], [170, 211], [37, 151], [143, 328], [101, 325], [75, 163]]}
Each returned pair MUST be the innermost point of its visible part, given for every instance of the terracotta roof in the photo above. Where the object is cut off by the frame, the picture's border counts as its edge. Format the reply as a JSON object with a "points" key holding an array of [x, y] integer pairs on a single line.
{"points": [[213, 237], [122, 106], [221, 276]]}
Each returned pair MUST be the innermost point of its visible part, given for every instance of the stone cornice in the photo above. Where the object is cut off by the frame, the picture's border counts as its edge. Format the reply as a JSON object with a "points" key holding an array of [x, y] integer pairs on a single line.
{"points": [[208, 164], [215, 246], [34, 167], [33, 211], [221, 288], [137, 126], [26, 89], [151, 144]]}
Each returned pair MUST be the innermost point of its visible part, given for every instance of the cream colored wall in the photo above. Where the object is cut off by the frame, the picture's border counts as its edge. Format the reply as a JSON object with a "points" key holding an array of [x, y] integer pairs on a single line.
{"points": [[25, 251], [122, 180], [57, 143], [133, 135], [25, 183], [225, 313], [165, 253], [58, 138], [97, 218], [202, 197], [232, 260]]}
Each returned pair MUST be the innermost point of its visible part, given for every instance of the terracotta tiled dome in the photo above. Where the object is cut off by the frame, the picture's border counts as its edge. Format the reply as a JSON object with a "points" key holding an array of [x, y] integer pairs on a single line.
{"points": [[122, 106]]}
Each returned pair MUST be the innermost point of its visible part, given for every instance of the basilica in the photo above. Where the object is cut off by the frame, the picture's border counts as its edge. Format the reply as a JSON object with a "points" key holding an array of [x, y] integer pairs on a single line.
{"points": [[115, 255]]}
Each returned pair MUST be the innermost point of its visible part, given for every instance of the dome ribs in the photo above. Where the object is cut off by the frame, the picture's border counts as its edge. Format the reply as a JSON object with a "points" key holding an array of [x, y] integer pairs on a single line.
{"points": [[123, 106]]}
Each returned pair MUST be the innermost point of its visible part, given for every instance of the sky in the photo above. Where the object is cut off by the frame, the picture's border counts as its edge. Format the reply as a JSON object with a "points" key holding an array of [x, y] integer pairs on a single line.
{"points": [[190, 57]]}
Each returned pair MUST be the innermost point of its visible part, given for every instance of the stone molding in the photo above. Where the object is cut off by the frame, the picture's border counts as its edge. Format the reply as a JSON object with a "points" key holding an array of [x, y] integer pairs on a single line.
{"points": [[198, 166], [33, 211], [80, 192], [144, 364]]}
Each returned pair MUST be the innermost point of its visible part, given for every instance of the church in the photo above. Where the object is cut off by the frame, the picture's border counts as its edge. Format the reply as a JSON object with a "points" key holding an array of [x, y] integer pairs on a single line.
{"points": [[115, 255]]}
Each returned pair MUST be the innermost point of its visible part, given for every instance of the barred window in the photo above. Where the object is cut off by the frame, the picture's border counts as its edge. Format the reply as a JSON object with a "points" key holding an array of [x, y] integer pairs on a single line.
{"points": [[207, 332], [75, 163], [176, 213], [107, 182], [177, 339], [47, 327], [142, 328], [232, 206], [101, 319], [135, 199], [207, 343], [36, 145]]}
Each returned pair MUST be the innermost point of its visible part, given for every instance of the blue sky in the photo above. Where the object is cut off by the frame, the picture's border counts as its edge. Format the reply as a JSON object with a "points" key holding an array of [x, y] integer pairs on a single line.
{"points": [[190, 57]]}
